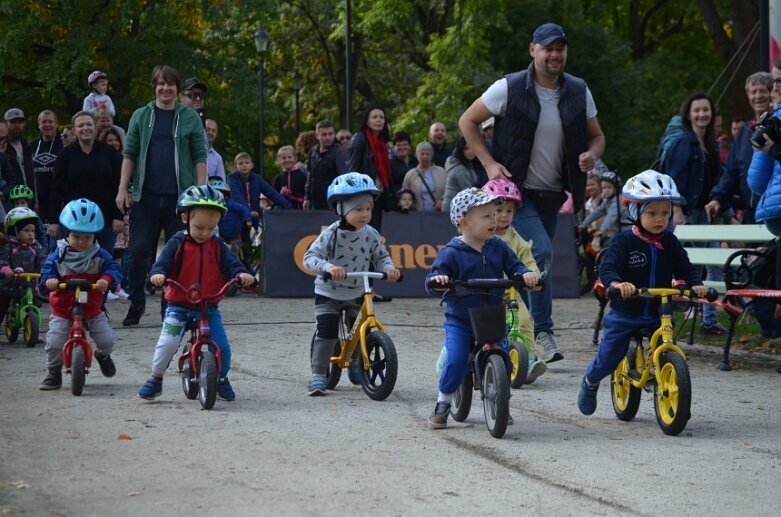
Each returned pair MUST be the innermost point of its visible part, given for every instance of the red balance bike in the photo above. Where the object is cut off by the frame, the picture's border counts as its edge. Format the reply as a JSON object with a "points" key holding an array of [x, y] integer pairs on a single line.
{"points": [[200, 362], [77, 352]]}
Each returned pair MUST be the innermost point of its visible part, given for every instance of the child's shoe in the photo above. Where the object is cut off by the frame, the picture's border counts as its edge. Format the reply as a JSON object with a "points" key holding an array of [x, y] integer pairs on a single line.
{"points": [[714, 330], [438, 419], [225, 390], [53, 380], [536, 368], [152, 388], [106, 364], [317, 386], [354, 371], [587, 397]]}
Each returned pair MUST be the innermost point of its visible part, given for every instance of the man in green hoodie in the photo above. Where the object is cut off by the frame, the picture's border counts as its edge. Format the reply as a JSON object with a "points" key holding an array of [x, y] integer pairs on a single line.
{"points": [[165, 153]]}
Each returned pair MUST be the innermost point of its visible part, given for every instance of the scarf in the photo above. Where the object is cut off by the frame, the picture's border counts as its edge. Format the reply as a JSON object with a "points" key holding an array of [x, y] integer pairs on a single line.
{"points": [[379, 149], [653, 240], [76, 261]]}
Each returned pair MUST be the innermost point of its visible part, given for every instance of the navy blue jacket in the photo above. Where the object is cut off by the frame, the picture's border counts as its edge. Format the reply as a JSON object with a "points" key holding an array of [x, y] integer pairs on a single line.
{"points": [[234, 219], [631, 259], [460, 261], [686, 164], [247, 192]]}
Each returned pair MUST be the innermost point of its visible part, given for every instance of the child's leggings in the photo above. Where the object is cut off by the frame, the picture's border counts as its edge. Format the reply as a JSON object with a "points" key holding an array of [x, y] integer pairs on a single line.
{"points": [[327, 312]]}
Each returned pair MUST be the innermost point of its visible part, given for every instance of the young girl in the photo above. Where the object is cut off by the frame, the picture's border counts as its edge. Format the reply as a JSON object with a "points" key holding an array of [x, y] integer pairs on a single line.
{"points": [[647, 256], [615, 215], [97, 98], [20, 253], [291, 182], [406, 201]]}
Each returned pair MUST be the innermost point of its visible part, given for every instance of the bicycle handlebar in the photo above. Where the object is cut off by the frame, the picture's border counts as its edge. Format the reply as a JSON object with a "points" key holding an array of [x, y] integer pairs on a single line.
{"points": [[655, 292], [360, 274], [72, 284], [485, 283], [26, 276], [194, 293]]}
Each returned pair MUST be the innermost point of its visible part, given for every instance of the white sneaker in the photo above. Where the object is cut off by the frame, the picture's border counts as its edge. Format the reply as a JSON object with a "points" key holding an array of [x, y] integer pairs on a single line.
{"points": [[122, 295], [550, 352], [112, 296]]}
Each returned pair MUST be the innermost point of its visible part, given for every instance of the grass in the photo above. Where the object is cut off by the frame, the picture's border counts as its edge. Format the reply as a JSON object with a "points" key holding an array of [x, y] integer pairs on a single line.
{"points": [[747, 334]]}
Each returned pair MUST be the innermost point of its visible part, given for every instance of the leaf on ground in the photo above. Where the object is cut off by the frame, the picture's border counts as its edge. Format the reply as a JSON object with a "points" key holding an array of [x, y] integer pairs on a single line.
{"points": [[73, 435], [124, 436], [20, 484], [133, 494]]}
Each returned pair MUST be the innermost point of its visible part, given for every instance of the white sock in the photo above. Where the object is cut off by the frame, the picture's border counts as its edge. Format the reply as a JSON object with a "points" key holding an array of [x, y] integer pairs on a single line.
{"points": [[445, 397]]}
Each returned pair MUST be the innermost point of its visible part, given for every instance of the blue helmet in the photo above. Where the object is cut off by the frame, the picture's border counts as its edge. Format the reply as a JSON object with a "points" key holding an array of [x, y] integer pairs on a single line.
{"points": [[350, 184], [83, 216]]}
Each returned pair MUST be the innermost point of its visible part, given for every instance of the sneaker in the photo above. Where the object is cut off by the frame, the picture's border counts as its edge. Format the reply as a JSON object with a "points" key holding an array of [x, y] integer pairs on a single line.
{"points": [[134, 314], [152, 388], [225, 390], [106, 364], [111, 296], [121, 294], [53, 380], [550, 352], [354, 371], [317, 386], [536, 368], [714, 330], [438, 419], [587, 398]]}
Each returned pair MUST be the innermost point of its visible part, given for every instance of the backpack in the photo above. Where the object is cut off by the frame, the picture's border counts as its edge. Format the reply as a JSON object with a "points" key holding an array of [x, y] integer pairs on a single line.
{"points": [[671, 133]]}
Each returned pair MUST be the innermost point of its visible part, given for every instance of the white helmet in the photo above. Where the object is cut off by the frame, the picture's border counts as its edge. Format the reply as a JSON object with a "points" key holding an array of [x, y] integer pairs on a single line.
{"points": [[650, 186], [468, 199]]}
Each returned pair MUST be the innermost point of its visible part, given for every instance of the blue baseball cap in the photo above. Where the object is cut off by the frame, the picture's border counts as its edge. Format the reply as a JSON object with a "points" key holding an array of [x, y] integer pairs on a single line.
{"points": [[547, 33]]}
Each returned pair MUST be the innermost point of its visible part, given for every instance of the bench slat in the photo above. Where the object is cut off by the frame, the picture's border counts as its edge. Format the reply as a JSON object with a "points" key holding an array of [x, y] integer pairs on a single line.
{"points": [[709, 256], [722, 233]]}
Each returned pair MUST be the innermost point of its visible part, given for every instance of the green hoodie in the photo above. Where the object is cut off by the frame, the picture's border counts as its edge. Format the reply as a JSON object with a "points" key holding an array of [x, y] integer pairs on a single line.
{"points": [[188, 136]]}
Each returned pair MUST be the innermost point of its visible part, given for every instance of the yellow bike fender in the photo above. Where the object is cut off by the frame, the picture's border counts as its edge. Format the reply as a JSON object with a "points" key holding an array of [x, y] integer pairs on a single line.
{"points": [[664, 347]]}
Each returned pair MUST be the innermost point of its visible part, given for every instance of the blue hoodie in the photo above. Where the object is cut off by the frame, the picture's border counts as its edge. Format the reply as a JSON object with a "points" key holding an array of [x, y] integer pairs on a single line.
{"points": [[460, 261], [764, 178]]}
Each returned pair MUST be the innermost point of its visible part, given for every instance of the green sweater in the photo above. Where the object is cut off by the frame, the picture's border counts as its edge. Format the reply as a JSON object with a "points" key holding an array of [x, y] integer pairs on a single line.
{"points": [[188, 136]]}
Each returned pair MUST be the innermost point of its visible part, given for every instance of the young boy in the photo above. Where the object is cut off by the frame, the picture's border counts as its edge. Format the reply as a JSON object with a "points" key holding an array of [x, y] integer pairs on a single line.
{"points": [[349, 244], [476, 253], [246, 188], [79, 256], [21, 196], [614, 215], [194, 256], [523, 250], [20, 253], [648, 256], [237, 217]]}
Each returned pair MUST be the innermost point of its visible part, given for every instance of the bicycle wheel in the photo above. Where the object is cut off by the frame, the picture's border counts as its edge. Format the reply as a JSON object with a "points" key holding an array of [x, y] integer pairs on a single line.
{"points": [[462, 399], [32, 326], [626, 398], [379, 379], [207, 379], [189, 384], [11, 330], [496, 395], [519, 357], [672, 393], [77, 370]]}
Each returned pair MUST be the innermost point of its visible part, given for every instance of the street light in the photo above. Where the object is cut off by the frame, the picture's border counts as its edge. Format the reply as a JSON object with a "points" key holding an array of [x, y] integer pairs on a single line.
{"points": [[297, 87], [261, 45]]}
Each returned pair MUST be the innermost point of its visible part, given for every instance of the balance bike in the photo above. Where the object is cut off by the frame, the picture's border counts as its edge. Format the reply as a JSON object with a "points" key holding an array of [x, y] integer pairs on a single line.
{"points": [[23, 313]]}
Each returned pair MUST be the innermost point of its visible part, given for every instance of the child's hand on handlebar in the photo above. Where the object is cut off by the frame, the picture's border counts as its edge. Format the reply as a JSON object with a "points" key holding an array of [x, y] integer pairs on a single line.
{"points": [[393, 274], [439, 279], [157, 280], [531, 279], [52, 283], [101, 285], [700, 290], [245, 279], [337, 273], [627, 288]]}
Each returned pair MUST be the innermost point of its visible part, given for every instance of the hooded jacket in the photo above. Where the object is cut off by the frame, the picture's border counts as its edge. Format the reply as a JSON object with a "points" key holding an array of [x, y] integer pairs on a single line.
{"points": [[764, 179]]}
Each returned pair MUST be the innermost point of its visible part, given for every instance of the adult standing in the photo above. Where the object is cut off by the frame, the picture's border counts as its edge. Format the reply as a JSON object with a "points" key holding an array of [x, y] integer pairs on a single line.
{"points": [[427, 180], [165, 153], [193, 96], [732, 188], [18, 148], [89, 169], [327, 160], [692, 161], [214, 163], [7, 171], [45, 149], [534, 147], [403, 160], [464, 170], [437, 137], [369, 155]]}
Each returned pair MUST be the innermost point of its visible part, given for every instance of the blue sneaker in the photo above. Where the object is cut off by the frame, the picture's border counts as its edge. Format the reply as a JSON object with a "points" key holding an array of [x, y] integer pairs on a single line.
{"points": [[152, 388], [224, 390], [354, 371], [587, 398], [317, 386]]}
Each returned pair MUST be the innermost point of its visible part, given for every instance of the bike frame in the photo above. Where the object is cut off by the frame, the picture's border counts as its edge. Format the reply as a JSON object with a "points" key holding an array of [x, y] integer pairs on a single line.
{"points": [[365, 323], [21, 305], [77, 335]]}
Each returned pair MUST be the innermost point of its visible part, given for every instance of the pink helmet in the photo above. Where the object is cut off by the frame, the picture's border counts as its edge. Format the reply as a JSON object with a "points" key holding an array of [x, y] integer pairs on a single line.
{"points": [[505, 188]]}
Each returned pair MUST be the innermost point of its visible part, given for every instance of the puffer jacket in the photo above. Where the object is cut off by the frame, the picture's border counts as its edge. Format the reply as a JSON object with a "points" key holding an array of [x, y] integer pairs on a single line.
{"points": [[764, 178]]}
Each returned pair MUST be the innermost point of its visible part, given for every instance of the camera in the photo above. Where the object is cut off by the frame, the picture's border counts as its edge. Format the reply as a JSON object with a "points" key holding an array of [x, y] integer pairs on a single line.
{"points": [[769, 125]]}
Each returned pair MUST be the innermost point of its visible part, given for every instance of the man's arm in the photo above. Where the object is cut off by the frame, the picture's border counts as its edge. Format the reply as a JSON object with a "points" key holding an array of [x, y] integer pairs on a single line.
{"points": [[596, 145], [469, 124], [124, 201]]}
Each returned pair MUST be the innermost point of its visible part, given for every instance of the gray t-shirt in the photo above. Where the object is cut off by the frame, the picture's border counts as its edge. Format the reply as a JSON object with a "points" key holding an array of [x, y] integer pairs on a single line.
{"points": [[547, 152]]}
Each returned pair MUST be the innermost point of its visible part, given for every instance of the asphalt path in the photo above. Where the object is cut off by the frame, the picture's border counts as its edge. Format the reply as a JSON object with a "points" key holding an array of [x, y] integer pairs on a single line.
{"points": [[276, 451]]}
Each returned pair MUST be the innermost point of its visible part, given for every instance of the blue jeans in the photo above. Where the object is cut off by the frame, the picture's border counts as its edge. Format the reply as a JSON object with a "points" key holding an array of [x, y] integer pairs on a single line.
{"points": [[712, 272], [619, 330], [540, 229], [147, 218]]}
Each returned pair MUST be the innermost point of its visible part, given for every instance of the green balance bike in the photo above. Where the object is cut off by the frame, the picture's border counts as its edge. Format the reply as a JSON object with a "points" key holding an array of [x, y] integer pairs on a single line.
{"points": [[23, 313]]}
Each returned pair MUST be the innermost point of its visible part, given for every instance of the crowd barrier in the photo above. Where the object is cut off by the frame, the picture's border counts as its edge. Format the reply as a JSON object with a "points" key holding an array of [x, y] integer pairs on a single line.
{"points": [[412, 240]]}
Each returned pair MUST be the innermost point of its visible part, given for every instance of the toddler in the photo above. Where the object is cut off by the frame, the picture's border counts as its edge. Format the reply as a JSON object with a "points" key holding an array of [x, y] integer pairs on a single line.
{"points": [[615, 214], [237, 218], [21, 253], [194, 256], [349, 244], [79, 256], [97, 98], [406, 201]]}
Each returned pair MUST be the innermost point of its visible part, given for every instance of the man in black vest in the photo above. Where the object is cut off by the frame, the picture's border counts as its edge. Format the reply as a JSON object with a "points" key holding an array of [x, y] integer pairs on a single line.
{"points": [[545, 142]]}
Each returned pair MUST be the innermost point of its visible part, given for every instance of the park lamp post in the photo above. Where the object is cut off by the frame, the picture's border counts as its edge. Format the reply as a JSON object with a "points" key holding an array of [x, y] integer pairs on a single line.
{"points": [[261, 45], [297, 87]]}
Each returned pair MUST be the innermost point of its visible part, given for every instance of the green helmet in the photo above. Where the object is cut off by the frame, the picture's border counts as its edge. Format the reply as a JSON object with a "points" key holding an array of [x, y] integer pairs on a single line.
{"points": [[20, 192], [20, 214], [203, 196]]}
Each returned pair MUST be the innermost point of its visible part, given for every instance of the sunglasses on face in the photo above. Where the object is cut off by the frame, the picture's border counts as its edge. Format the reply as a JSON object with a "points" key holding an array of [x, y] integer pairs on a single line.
{"points": [[195, 95], [344, 138]]}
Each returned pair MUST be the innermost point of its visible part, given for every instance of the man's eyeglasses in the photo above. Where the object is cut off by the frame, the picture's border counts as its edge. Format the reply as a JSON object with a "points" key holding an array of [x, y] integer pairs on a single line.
{"points": [[195, 95]]}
